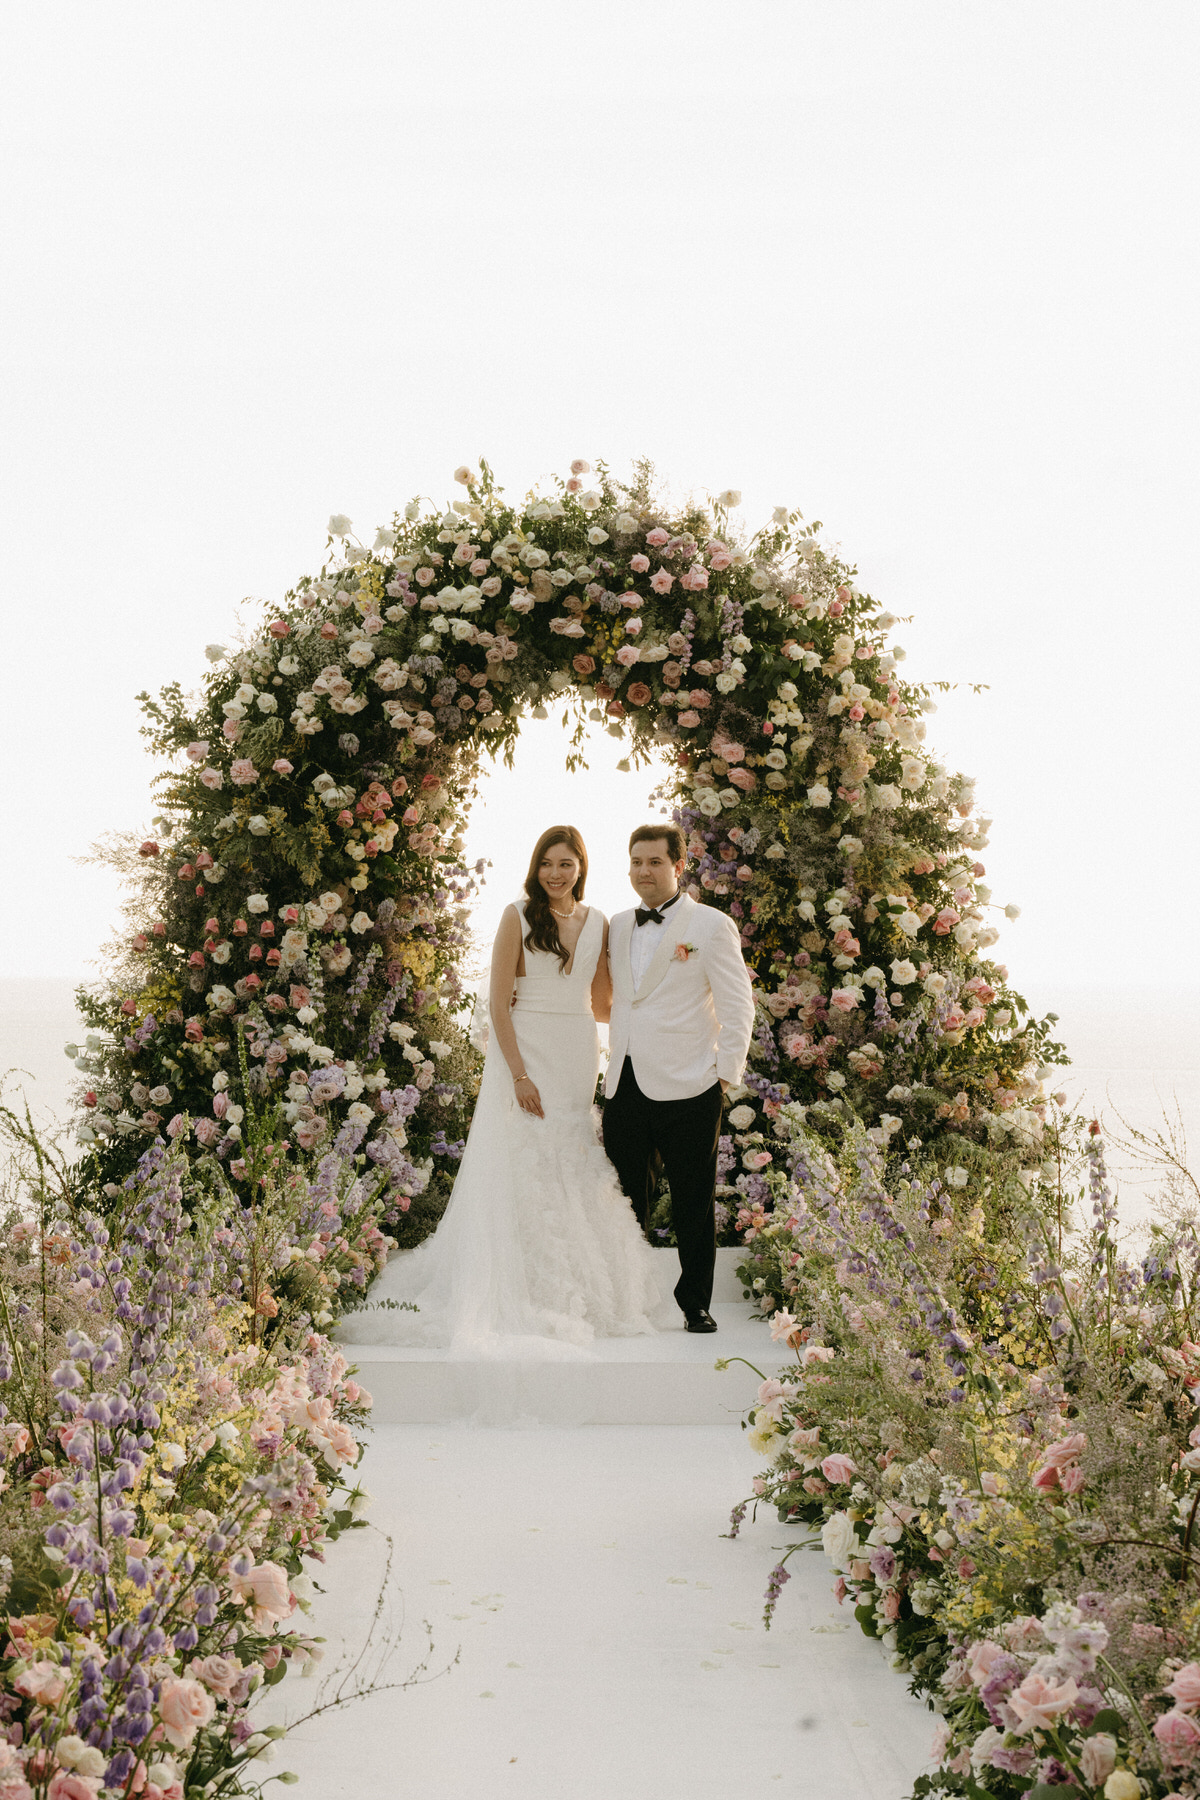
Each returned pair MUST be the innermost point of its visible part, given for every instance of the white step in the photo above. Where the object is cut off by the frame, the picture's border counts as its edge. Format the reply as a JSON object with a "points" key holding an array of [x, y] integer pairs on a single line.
{"points": [[667, 1379]]}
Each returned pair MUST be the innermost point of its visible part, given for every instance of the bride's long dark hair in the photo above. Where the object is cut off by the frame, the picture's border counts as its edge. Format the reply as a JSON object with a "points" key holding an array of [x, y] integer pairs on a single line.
{"points": [[543, 926]]}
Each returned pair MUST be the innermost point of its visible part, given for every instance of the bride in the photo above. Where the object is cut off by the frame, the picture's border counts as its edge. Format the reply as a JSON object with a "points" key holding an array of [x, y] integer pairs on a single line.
{"points": [[539, 1250]]}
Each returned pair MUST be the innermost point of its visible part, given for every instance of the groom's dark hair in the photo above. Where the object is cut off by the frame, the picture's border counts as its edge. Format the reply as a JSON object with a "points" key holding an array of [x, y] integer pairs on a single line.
{"points": [[671, 835]]}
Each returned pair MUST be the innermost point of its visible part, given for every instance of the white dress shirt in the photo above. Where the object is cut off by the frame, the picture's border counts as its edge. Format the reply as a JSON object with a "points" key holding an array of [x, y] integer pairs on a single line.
{"points": [[644, 942]]}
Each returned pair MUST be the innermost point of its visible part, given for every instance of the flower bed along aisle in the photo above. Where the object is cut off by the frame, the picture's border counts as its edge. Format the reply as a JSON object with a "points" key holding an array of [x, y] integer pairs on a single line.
{"points": [[996, 1438]]}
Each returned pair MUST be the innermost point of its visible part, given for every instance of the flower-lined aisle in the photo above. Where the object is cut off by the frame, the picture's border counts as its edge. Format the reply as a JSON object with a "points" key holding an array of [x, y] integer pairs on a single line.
{"points": [[996, 1436], [305, 886], [178, 1444]]}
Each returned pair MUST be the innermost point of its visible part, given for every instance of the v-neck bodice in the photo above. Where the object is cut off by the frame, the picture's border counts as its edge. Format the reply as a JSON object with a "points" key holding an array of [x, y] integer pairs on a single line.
{"points": [[547, 988]]}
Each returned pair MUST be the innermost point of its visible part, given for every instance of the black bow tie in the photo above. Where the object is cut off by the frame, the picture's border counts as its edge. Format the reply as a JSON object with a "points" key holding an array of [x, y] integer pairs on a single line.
{"points": [[645, 915]]}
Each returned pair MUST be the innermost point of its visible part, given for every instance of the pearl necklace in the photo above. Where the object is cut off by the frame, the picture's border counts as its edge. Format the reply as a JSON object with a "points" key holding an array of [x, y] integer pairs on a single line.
{"points": [[563, 915]]}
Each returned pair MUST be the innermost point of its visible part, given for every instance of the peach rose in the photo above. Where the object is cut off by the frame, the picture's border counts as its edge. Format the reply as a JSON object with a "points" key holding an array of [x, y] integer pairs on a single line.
{"points": [[184, 1706], [42, 1681], [266, 1587], [219, 1674], [67, 1785], [1185, 1688], [637, 693], [1038, 1703]]}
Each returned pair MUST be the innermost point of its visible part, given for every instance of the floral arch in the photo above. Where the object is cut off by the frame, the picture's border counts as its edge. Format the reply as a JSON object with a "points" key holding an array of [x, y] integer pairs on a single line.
{"points": [[297, 924]]}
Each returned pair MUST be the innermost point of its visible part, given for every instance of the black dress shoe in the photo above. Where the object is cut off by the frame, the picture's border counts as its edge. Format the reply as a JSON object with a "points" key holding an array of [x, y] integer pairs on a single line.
{"points": [[700, 1321]]}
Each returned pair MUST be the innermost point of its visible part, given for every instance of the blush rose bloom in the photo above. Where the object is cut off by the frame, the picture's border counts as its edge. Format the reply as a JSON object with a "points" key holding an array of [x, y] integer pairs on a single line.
{"points": [[266, 1586], [839, 1468], [219, 1674], [184, 1706], [1178, 1735], [68, 1785], [1098, 1758], [637, 693], [1185, 1688], [1038, 1703], [43, 1682], [980, 1658], [662, 581]]}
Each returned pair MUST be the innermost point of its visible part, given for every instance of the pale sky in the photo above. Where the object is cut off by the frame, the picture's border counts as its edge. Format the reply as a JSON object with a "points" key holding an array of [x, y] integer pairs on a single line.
{"points": [[927, 271]]}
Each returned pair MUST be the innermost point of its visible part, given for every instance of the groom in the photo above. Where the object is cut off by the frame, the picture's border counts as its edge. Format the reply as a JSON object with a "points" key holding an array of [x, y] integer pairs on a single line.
{"points": [[682, 1015]]}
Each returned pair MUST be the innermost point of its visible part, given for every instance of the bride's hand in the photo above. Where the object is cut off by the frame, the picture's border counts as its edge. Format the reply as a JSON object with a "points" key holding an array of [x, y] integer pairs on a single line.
{"points": [[528, 1098]]}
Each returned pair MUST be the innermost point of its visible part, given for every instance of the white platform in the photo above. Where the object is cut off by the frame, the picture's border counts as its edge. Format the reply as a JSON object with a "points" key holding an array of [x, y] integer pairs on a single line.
{"points": [[667, 1379]]}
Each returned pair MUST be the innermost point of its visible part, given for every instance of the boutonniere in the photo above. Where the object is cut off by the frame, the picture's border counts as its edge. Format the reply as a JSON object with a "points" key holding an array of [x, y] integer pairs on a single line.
{"points": [[683, 951]]}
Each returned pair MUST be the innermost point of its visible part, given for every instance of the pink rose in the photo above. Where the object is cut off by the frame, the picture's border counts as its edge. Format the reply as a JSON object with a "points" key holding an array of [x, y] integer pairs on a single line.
{"points": [[220, 1674], [282, 766], [891, 1604], [212, 778], [583, 665], [639, 563], [627, 655], [1178, 1735], [67, 1785], [266, 1587], [694, 578], [720, 559], [1038, 1703], [243, 771], [701, 697], [662, 581], [637, 693], [658, 537], [183, 1706], [1185, 1687], [980, 1658], [744, 779], [1066, 1450], [844, 999], [839, 1468], [197, 752], [43, 1682]]}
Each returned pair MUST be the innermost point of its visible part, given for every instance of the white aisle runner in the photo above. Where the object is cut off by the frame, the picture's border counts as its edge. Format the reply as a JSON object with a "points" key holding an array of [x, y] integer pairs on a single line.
{"points": [[609, 1639]]}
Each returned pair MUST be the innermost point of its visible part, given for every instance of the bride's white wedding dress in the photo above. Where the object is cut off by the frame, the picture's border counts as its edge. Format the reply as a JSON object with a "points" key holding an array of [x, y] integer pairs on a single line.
{"points": [[539, 1250]]}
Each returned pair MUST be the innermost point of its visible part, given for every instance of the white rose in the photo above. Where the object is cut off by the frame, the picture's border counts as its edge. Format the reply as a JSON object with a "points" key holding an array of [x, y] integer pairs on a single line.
{"points": [[596, 536], [591, 501], [956, 1176], [465, 475], [289, 665], [215, 652], [728, 498], [385, 539], [903, 972], [774, 852], [726, 682], [360, 1113], [886, 796], [361, 922], [819, 795], [707, 802], [839, 1540], [1012, 912], [259, 826], [267, 703], [935, 984], [625, 522], [909, 923], [339, 525], [836, 1079], [741, 1116], [307, 1015], [257, 903], [360, 654]]}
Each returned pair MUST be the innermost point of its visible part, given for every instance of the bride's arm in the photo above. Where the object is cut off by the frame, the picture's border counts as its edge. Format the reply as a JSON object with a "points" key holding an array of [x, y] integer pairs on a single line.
{"points": [[506, 958], [602, 984]]}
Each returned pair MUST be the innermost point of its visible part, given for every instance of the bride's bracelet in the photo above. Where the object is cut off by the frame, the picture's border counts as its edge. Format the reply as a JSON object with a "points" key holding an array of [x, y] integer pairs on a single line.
{"points": [[517, 1078]]}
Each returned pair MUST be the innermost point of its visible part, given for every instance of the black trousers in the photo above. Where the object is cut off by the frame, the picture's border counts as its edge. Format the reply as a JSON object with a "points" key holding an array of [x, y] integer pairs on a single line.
{"points": [[685, 1134]]}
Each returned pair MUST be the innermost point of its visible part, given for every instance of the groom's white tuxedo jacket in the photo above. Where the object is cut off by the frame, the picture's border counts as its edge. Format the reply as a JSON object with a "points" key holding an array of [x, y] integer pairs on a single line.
{"points": [[689, 1021]]}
